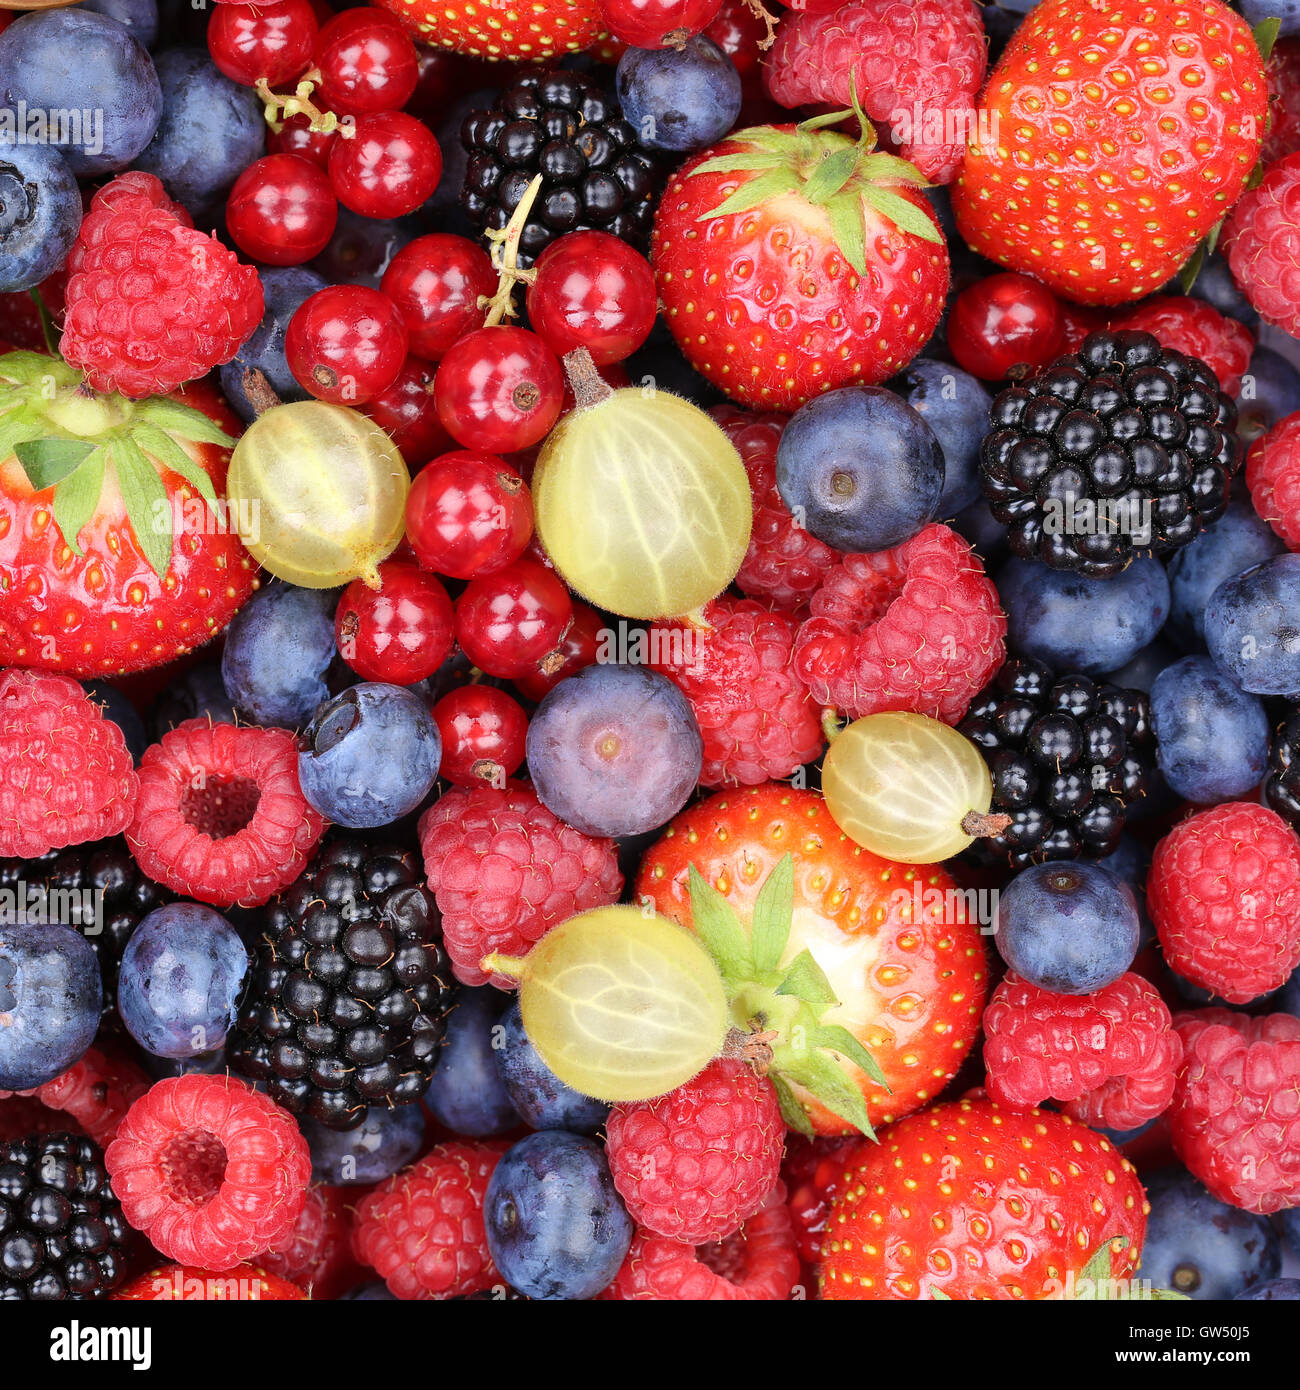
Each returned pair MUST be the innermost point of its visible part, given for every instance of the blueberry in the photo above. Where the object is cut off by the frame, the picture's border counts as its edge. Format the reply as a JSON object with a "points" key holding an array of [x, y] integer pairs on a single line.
{"points": [[1201, 1247], [1216, 285], [116, 707], [854, 496], [201, 1064], [1288, 1220], [1129, 862], [540, 1097], [614, 750], [199, 693], [284, 288], [1252, 627], [180, 981], [376, 1291], [1271, 1291], [385, 1141], [211, 130], [139, 17], [1071, 928], [556, 1228], [1288, 11], [361, 248], [1076, 624], [278, 649], [956, 407], [679, 99], [1270, 391], [1211, 737], [372, 755], [1141, 671], [50, 1002], [1238, 541], [467, 1094], [75, 62], [40, 213]]}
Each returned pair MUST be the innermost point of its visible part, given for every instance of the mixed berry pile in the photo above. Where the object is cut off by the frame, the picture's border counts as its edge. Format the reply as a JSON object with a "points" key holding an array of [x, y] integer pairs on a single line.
{"points": [[650, 649]]}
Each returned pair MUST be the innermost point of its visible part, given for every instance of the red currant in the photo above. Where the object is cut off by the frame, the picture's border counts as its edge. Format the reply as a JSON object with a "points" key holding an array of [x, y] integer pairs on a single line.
{"points": [[594, 291], [296, 136], [367, 62], [389, 166], [406, 412], [483, 732], [512, 621], [657, 23], [400, 632], [468, 515], [579, 649], [436, 282], [282, 210], [345, 344], [739, 31], [248, 42], [499, 389], [1005, 321]]}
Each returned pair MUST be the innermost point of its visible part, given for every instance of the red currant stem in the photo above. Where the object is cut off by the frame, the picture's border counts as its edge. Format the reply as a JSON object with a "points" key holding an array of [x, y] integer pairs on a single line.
{"points": [[981, 824], [261, 394], [279, 108], [505, 258], [760, 11], [589, 387], [488, 770], [831, 726]]}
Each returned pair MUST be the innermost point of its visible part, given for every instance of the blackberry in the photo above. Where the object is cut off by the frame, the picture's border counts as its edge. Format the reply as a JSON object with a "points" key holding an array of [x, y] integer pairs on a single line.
{"points": [[62, 1232], [1282, 785], [98, 888], [346, 1002], [1066, 756], [1119, 448], [569, 129]]}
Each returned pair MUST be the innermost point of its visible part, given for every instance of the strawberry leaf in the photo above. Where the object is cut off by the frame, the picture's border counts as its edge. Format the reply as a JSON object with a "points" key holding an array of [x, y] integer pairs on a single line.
{"points": [[754, 162], [906, 216], [1266, 32], [888, 168], [940, 1295], [758, 190], [147, 507], [1192, 268], [804, 979], [764, 137], [839, 1039], [717, 925], [170, 454], [773, 913], [77, 496], [30, 368], [845, 213], [49, 461], [827, 118], [182, 420], [830, 176], [17, 427], [794, 1115], [820, 1075]]}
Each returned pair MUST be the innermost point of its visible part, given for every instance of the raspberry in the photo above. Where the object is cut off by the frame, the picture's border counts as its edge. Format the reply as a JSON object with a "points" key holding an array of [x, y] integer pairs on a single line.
{"points": [[1112, 1055], [68, 776], [96, 1092], [220, 816], [913, 61], [1224, 894], [1262, 244], [151, 303], [759, 1263], [697, 1163], [1235, 1120], [810, 1171], [754, 713], [210, 1170], [1183, 324], [504, 871], [316, 1254], [1273, 477], [784, 563], [914, 628], [1283, 72], [423, 1228]]}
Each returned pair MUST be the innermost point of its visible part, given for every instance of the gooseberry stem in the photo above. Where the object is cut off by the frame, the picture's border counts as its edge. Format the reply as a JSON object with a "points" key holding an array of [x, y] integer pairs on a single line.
{"points": [[505, 258], [831, 726], [754, 1048], [589, 387], [261, 394], [982, 824], [277, 109], [512, 967]]}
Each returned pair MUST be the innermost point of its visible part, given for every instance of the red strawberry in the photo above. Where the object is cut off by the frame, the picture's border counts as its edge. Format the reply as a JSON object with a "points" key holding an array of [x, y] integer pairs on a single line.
{"points": [[910, 991], [189, 1284], [493, 29], [1125, 131], [791, 261], [116, 551]]}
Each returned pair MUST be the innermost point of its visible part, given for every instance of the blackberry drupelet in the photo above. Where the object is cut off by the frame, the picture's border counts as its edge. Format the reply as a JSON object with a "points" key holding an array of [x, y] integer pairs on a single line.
{"points": [[62, 1232], [346, 1003], [1066, 755], [98, 888], [1282, 785], [569, 129], [1117, 449]]}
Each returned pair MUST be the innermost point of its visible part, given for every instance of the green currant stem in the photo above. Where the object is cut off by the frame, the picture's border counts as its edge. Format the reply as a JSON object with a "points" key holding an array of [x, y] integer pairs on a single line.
{"points": [[279, 108], [981, 824], [505, 257], [831, 726]]}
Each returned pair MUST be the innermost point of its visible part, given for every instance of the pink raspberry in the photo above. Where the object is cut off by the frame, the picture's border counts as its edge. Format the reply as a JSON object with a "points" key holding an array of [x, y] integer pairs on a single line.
{"points": [[316, 1254], [151, 303], [918, 65], [1111, 1055], [915, 628], [1184, 324], [1224, 894], [68, 777], [1262, 244], [1283, 73], [755, 715], [505, 870], [1273, 476]]}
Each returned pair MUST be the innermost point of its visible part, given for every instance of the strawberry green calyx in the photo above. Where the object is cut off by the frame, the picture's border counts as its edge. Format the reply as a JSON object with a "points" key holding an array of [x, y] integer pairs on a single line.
{"points": [[70, 438], [1096, 1284], [779, 1011]]}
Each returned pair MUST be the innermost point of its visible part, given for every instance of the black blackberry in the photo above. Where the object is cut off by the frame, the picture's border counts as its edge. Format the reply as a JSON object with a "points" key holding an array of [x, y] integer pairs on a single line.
{"points": [[1066, 756], [1282, 785], [98, 888], [569, 129], [1119, 448], [345, 1005], [62, 1232]]}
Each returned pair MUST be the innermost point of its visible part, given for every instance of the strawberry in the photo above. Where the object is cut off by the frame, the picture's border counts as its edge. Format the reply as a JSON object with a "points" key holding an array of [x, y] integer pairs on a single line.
{"points": [[910, 993], [791, 261], [969, 1200], [116, 552], [500, 29], [1124, 131], [172, 1283]]}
